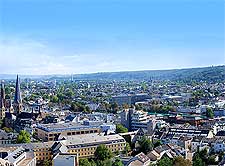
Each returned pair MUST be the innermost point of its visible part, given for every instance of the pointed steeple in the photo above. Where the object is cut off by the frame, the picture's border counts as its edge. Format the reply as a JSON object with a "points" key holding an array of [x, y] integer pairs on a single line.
{"points": [[2, 97], [17, 103], [17, 98], [2, 101], [2, 90]]}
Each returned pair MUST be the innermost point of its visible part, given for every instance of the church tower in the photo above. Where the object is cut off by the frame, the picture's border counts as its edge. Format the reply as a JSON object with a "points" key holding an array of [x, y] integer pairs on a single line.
{"points": [[17, 103], [2, 102], [11, 110]]}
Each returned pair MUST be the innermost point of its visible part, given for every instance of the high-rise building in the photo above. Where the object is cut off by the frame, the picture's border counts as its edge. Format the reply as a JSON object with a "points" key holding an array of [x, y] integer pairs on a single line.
{"points": [[17, 103]]}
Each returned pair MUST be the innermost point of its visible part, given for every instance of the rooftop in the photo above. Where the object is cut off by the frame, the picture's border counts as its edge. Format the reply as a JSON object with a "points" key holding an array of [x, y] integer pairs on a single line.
{"points": [[59, 127], [92, 140]]}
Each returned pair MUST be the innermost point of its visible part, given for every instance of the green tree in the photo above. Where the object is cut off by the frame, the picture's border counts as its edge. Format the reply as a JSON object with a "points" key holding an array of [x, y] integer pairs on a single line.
{"points": [[145, 145], [87, 109], [157, 143], [23, 137], [165, 161], [127, 148], [102, 153], [54, 99], [69, 93], [209, 112], [1, 123], [104, 163], [211, 160], [84, 162], [47, 163], [117, 162], [115, 107], [197, 161], [60, 96], [121, 129], [45, 97], [181, 161]]}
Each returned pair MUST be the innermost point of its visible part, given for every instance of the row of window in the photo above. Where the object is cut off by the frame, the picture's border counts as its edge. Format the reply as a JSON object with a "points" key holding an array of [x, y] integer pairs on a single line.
{"points": [[44, 149], [75, 133], [82, 132], [43, 158], [113, 147], [42, 154], [92, 153], [6, 142]]}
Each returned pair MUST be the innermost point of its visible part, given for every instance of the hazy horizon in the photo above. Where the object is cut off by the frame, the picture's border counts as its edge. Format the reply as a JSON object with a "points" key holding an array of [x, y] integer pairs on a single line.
{"points": [[21, 74], [81, 36]]}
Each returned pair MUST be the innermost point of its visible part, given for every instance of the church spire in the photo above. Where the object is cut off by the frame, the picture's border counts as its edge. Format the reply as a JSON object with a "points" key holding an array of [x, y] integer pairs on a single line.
{"points": [[17, 98], [2, 101], [2, 90], [2, 97], [17, 104]]}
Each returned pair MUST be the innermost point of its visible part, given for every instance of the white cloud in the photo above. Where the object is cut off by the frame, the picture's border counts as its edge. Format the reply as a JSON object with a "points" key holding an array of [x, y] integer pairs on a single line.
{"points": [[35, 57], [40, 57]]}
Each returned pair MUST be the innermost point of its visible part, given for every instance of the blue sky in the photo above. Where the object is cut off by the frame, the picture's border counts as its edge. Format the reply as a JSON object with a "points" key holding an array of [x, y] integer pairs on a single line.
{"points": [[85, 36]]}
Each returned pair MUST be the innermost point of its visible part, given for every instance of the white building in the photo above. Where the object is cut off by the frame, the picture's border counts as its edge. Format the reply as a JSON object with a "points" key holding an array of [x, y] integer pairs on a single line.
{"points": [[17, 156]]}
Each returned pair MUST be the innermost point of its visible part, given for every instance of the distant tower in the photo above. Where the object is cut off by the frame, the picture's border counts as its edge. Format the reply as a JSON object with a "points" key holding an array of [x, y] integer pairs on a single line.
{"points": [[17, 103], [72, 78], [2, 102]]}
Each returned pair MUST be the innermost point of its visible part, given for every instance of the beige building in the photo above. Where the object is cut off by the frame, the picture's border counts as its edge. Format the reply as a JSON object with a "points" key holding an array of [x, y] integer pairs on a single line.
{"points": [[79, 145], [85, 145], [51, 132]]}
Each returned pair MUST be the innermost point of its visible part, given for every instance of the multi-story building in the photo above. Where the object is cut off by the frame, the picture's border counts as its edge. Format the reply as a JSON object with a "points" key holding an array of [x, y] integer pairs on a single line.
{"points": [[85, 145], [135, 120], [129, 98], [122, 99], [6, 138], [17, 156], [191, 132], [125, 116], [139, 119], [51, 132], [40, 151]]}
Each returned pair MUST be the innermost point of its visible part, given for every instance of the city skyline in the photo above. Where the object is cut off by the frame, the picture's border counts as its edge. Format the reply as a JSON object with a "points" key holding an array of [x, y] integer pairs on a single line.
{"points": [[39, 37]]}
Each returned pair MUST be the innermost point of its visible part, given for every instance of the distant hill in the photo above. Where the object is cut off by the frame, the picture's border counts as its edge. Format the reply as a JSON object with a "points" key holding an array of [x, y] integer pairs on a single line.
{"points": [[211, 74], [216, 73]]}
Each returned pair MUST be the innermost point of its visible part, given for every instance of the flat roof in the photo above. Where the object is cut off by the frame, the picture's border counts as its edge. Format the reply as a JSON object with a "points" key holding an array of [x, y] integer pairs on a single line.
{"points": [[59, 127], [65, 156], [27, 145], [77, 141]]}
